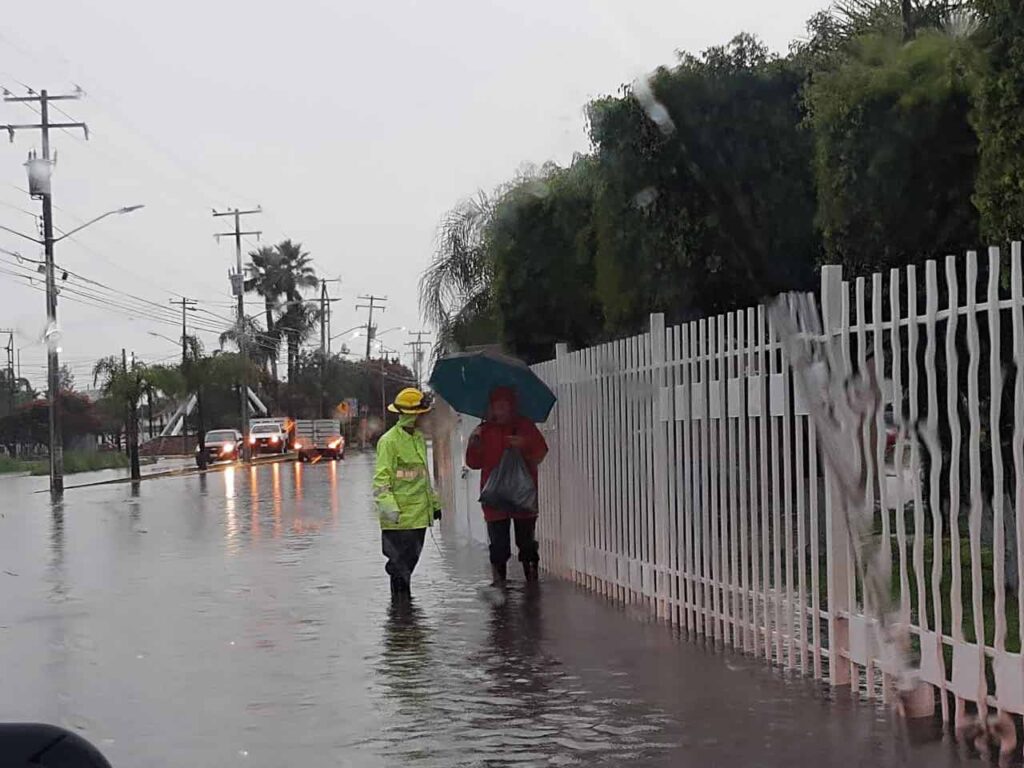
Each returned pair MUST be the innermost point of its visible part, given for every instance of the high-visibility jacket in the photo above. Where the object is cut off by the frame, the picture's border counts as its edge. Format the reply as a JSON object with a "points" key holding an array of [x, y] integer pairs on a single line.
{"points": [[401, 483]]}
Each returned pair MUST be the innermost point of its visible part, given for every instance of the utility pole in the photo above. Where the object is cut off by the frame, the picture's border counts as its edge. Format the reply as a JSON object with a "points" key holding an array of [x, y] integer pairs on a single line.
{"points": [[12, 383], [325, 315], [238, 289], [325, 336], [375, 303], [417, 355], [187, 305], [40, 170], [133, 416]]}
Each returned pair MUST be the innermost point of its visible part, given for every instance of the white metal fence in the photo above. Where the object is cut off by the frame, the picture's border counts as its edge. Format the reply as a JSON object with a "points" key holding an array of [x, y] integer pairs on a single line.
{"points": [[685, 477]]}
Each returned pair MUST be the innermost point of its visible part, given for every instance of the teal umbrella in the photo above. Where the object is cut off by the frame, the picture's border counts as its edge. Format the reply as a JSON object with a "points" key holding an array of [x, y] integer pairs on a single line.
{"points": [[465, 380]]}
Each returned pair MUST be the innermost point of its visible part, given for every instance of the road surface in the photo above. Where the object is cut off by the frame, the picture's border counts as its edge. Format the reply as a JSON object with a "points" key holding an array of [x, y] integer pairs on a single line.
{"points": [[243, 618]]}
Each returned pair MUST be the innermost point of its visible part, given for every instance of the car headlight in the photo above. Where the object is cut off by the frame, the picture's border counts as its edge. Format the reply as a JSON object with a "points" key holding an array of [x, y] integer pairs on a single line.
{"points": [[273, 438], [228, 448]]}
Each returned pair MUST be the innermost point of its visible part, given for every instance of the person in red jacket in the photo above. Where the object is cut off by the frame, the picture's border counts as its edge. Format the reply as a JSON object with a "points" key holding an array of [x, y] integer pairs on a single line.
{"points": [[505, 428]]}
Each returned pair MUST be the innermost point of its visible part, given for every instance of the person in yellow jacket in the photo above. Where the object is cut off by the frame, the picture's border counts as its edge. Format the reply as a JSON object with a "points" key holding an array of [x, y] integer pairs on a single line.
{"points": [[406, 502]]}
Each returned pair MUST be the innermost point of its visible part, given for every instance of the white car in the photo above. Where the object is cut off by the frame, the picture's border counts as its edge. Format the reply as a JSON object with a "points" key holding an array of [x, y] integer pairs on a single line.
{"points": [[268, 438]]}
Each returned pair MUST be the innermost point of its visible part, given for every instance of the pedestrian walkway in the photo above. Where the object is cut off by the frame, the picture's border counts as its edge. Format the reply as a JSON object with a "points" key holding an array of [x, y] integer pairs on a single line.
{"points": [[244, 619]]}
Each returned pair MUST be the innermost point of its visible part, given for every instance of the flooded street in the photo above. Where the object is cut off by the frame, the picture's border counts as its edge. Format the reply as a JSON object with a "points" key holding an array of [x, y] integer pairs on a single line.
{"points": [[243, 618]]}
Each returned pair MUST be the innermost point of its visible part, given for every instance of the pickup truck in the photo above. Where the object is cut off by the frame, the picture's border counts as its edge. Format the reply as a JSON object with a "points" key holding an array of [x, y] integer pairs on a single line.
{"points": [[268, 437], [319, 437]]}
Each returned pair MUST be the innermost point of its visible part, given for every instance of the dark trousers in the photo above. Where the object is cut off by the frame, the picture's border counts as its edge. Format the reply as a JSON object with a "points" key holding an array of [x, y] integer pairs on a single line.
{"points": [[402, 549], [499, 535]]}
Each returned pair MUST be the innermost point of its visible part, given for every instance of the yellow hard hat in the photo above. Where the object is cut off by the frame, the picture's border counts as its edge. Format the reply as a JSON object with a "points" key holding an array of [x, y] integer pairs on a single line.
{"points": [[410, 401]]}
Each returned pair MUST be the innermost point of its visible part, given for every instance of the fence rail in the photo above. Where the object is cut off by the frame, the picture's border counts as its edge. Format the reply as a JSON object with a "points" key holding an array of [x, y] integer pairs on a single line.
{"points": [[685, 476]]}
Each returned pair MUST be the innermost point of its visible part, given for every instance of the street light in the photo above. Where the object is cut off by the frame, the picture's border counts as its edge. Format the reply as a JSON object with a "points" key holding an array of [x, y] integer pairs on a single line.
{"points": [[166, 338], [349, 330], [118, 211]]}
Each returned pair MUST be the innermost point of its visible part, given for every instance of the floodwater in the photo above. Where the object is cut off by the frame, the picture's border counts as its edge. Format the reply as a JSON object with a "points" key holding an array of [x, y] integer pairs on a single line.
{"points": [[243, 618]]}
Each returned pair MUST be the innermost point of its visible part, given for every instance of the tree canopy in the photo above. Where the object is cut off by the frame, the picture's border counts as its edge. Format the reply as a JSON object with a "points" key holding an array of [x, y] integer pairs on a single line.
{"points": [[886, 136]]}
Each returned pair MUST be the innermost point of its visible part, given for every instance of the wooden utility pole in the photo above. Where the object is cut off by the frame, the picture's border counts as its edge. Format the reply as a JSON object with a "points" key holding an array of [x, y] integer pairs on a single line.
{"points": [[325, 336], [238, 289], [375, 302], [12, 386], [40, 170], [417, 355], [187, 305]]}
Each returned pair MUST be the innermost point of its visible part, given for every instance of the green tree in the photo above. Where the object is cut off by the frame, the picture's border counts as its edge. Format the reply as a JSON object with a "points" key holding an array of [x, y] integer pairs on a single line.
{"points": [[65, 379], [205, 377], [297, 269], [125, 385], [999, 192], [895, 155], [297, 325], [31, 420], [267, 279], [707, 198], [542, 243]]}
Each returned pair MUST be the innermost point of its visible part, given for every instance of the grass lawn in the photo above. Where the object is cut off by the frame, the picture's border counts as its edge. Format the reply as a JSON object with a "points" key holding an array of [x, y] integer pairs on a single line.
{"points": [[74, 461]]}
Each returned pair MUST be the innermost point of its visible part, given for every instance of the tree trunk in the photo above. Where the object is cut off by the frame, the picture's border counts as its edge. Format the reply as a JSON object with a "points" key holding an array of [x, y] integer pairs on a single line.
{"points": [[906, 13], [270, 330], [293, 355]]}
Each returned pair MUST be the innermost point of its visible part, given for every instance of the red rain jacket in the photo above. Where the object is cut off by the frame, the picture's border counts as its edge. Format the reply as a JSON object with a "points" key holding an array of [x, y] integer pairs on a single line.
{"points": [[488, 444]]}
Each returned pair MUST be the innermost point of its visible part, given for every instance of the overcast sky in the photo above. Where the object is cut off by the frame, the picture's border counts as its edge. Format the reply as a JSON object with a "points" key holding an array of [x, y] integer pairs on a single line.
{"points": [[354, 126]]}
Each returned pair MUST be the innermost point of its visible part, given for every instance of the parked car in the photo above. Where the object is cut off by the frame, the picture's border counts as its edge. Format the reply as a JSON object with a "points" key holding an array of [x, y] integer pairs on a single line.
{"points": [[221, 445], [268, 437], [319, 437]]}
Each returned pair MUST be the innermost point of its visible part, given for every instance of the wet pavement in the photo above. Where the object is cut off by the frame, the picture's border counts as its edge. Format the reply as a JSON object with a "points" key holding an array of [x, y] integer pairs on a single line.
{"points": [[242, 618]]}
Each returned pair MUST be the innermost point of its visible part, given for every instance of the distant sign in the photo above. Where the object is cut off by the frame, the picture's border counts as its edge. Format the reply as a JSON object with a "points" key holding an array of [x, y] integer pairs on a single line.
{"points": [[348, 408]]}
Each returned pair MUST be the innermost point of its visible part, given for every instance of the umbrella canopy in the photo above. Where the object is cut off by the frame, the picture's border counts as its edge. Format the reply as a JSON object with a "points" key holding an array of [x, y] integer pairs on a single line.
{"points": [[465, 381]]}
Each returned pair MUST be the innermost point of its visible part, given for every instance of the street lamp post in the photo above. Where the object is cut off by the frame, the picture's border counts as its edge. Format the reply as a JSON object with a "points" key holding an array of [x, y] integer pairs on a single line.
{"points": [[52, 334]]}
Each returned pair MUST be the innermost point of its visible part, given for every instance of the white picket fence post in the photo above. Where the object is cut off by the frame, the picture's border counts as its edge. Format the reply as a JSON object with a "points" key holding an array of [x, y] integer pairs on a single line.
{"points": [[839, 571]]}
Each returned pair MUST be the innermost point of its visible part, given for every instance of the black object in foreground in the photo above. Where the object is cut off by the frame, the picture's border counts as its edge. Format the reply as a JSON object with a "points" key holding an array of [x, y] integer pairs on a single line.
{"points": [[510, 486], [36, 745]]}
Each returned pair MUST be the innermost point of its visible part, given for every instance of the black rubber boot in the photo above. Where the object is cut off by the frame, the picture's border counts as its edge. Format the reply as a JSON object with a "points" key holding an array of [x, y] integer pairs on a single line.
{"points": [[531, 572], [499, 573], [399, 587]]}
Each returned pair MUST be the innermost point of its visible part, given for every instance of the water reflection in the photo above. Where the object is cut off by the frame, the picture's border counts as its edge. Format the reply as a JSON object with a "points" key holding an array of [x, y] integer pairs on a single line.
{"points": [[58, 585], [276, 491], [332, 482], [254, 502], [298, 479], [230, 511], [404, 668]]}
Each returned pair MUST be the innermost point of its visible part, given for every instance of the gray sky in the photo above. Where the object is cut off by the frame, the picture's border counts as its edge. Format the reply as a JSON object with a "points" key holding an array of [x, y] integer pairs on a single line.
{"points": [[354, 125]]}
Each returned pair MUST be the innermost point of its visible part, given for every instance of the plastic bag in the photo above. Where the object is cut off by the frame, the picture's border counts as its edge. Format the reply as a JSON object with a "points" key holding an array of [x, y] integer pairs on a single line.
{"points": [[510, 487]]}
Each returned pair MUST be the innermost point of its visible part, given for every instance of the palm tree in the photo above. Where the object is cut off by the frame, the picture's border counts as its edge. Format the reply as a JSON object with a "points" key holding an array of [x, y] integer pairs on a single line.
{"points": [[260, 346], [296, 324], [905, 16], [455, 290], [267, 279], [124, 386], [296, 267]]}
